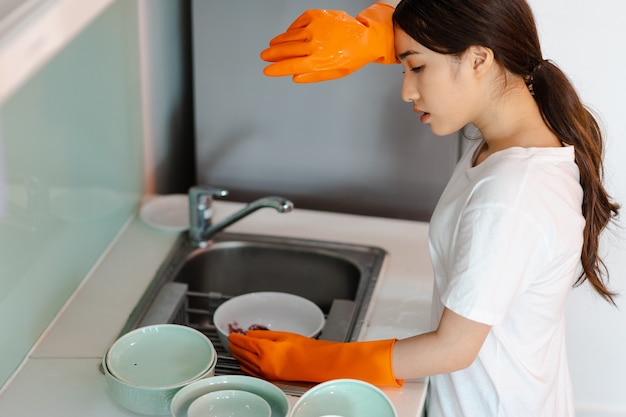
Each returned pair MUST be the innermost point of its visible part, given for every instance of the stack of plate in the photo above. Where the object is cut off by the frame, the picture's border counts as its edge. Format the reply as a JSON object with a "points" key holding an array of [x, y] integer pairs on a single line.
{"points": [[194, 397]]}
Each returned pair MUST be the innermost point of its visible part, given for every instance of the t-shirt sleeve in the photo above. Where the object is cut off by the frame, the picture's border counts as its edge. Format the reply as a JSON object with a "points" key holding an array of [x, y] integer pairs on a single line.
{"points": [[498, 252]]}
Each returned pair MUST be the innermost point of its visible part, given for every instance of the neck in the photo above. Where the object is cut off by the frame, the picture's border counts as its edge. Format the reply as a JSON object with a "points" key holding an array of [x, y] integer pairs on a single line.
{"points": [[513, 119]]}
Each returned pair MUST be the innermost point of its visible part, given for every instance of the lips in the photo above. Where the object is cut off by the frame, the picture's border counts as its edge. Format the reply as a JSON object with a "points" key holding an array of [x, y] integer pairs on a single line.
{"points": [[425, 115]]}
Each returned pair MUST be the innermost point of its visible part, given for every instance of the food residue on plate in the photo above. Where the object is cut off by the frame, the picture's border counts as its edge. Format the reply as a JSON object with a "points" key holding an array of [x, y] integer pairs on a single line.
{"points": [[235, 328]]}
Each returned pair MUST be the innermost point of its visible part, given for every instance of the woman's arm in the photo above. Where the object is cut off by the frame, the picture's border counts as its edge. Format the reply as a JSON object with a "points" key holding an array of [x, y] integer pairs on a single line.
{"points": [[291, 357], [451, 347]]}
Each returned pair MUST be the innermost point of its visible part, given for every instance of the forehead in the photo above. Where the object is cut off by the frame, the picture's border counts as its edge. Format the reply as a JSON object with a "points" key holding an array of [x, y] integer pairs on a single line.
{"points": [[406, 45]]}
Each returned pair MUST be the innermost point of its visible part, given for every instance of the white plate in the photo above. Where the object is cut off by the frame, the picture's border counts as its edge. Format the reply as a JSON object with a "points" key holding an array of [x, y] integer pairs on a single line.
{"points": [[167, 212]]}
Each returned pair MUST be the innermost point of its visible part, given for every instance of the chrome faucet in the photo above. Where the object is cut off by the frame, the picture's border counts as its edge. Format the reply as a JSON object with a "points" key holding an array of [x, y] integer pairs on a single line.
{"points": [[200, 200]]}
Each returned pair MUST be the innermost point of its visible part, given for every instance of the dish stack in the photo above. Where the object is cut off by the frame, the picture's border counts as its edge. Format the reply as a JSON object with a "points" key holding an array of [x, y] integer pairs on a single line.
{"points": [[147, 366], [169, 369], [244, 396]]}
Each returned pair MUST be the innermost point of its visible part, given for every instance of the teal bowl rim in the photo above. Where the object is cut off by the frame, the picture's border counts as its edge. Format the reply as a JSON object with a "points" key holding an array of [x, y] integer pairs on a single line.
{"points": [[201, 375], [280, 407], [312, 391]]}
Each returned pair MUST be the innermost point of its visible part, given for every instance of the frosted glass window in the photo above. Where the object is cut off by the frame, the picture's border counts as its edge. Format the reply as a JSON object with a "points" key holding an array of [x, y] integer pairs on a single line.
{"points": [[73, 168]]}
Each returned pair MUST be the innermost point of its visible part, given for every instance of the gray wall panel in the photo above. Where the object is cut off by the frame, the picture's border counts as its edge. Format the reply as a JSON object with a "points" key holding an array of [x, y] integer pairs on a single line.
{"points": [[348, 145]]}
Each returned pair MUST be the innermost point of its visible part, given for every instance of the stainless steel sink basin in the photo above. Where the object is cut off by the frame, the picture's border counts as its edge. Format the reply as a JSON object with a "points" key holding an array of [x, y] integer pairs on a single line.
{"points": [[242, 266], [192, 282]]}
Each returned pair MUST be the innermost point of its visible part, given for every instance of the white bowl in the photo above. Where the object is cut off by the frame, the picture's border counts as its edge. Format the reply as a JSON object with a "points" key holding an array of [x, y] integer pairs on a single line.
{"points": [[161, 355], [229, 403], [274, 396], [273, 310], [345, 398]]}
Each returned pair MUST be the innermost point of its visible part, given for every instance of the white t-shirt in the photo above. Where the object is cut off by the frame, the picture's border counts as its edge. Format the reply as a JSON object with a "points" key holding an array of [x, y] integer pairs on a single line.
{"points": [[505, 242]]}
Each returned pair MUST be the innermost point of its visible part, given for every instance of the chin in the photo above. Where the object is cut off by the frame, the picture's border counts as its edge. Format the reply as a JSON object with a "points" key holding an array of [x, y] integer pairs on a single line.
{"points": [[444, 129], [438, 131]]}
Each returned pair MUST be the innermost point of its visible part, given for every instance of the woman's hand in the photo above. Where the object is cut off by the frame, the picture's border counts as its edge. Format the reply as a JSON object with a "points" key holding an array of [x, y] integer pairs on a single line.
{"points": [[323, 45], [282, 356]]}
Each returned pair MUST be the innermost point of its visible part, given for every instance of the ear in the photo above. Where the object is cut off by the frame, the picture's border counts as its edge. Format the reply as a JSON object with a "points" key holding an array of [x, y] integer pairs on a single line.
{"points": [[481, 59]]}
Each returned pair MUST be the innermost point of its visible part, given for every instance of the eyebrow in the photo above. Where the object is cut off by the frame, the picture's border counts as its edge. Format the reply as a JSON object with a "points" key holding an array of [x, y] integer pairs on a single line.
{"points": [[407, 53]]}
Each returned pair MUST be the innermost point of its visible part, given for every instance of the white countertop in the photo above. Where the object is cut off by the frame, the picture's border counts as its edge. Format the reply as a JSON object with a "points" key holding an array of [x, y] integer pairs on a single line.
{"points": [[60, 377]]}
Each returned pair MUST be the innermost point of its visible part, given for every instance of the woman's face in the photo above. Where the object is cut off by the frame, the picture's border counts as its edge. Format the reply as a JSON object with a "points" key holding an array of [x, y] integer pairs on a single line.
{"points": [[441, 87]]}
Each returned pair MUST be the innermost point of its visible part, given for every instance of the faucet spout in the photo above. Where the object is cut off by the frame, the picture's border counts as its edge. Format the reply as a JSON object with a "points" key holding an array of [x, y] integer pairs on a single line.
{"points": [[201, 232]]}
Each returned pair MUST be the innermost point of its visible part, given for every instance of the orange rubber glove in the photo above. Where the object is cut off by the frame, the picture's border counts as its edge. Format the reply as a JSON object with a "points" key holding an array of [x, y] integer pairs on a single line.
{"points": [[282, 356], [323, 45]]}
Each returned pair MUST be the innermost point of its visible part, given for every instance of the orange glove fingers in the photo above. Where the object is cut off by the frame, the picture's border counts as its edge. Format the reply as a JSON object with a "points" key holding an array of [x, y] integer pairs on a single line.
{"points": [[244, 340], [267, 334], [303, 20], [248, 361], [286, 51], [331, 43], [299, 30], [306, 68], [292, 35], [313, 77], [252, 372], [319, 17], [244, 348]]}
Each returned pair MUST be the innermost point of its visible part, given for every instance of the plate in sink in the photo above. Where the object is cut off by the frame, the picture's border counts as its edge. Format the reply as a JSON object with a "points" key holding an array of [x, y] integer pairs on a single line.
{"points": [[167, 212]]}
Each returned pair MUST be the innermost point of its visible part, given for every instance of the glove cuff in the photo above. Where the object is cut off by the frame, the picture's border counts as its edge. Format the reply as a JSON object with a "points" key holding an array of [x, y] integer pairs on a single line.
{"points": [[369, 361]]}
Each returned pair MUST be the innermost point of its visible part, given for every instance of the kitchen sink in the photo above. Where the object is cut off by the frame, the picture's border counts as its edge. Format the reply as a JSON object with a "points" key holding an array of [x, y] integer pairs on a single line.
{"points": [[340, 278]]}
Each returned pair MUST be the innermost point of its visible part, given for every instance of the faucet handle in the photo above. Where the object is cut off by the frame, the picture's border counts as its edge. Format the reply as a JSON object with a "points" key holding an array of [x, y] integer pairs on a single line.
{"points": [[200, 200], [201, 196]]}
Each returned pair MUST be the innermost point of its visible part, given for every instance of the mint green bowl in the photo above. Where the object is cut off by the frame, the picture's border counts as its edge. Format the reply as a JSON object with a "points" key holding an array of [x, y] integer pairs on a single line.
{"points": [[160, 355], [154, 396], [231, 403], [273, 395], [345, 398]]}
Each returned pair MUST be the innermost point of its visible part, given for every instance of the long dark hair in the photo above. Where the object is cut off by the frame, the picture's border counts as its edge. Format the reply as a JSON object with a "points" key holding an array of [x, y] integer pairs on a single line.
{"points": [[508, 28]]}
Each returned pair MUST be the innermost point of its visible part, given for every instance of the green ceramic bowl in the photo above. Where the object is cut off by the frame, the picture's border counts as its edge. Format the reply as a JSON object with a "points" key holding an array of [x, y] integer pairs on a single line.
{"points": [[345, 398], [231, 403], [143, 400], [273, 395], [161, 355], [153, 397]]}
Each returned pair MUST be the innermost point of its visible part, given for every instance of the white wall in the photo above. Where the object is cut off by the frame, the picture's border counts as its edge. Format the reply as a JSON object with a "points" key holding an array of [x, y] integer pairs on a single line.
{"points": [[588, 41]]}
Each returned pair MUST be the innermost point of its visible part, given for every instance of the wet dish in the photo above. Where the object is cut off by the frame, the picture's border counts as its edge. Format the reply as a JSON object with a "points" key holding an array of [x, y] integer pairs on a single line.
{"points": [[166, 212], [276, 398], [346, 398], [273, 310], [154, 377], [229, 403], [161, 355]]}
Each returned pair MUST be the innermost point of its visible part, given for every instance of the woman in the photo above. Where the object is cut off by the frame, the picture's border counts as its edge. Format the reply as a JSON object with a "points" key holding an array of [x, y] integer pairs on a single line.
{"points": [[516, 227]]}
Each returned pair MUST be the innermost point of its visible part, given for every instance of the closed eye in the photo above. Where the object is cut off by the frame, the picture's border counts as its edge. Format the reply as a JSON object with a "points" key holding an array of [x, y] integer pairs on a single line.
{"points": [[415, 69]]}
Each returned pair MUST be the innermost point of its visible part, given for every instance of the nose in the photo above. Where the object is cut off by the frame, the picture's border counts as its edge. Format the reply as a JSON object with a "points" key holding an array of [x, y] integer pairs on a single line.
{"points": [[409, 92]]}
